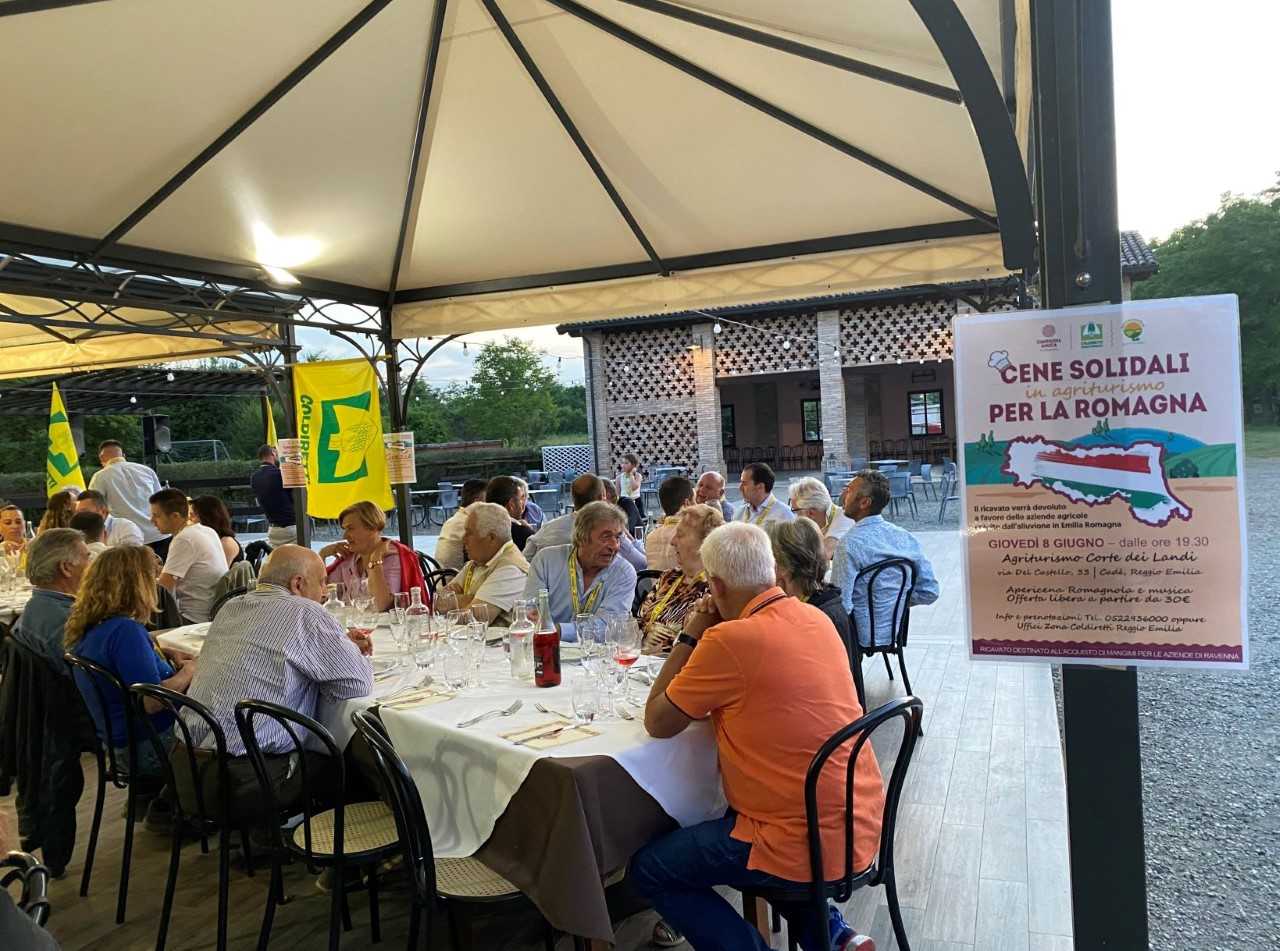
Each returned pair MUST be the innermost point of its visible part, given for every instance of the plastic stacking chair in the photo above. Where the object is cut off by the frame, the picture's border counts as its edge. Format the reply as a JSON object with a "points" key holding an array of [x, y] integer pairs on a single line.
{"points": [[457, 883], [924, 478], [358, 835], [950, 481], [33, 899], [881, 870], [900, 491]]}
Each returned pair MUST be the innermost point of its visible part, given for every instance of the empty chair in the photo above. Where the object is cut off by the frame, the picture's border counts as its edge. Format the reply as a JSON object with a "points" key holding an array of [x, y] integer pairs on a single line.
{"points": [[948, 492], [924, 479], [900, 491], [446, 502]]}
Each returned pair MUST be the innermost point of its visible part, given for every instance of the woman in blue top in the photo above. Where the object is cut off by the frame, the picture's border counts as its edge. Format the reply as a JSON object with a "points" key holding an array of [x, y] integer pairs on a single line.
{"points": [[117, 596]]}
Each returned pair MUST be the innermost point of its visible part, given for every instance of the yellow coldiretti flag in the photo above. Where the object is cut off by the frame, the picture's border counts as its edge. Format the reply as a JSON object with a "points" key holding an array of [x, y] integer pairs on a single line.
{"points": [[271, 420], [340, 428], [62, 470]]}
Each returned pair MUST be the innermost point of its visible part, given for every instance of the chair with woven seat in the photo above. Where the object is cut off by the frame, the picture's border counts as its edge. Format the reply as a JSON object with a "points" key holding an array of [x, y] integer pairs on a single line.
{"points": [[347, 835], [455, 882], [881, 871]]}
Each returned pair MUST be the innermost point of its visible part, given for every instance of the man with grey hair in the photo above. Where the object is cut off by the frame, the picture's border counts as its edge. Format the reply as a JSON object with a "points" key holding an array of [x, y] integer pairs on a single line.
{"points": [[874, 539], [584, 490], [586, 576], [773, 676], [56, 561], [495, 575], [710, 491], [810, 499]]}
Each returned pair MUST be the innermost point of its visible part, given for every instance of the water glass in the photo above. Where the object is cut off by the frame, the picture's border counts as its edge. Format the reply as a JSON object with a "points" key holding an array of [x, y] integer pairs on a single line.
{"points": [[586, 700], [453, 664]]}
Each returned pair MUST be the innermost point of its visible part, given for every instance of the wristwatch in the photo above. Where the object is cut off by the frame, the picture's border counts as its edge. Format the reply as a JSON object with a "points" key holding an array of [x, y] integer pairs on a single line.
{"points": [[690, 642]]}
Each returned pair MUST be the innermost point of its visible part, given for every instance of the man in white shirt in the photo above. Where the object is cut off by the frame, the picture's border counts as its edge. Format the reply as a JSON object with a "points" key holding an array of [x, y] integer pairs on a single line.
{"points": [[127, 487], [450, 550], [195, 561], [810, 499], [495, 575], [117, 531], [759, 507]]}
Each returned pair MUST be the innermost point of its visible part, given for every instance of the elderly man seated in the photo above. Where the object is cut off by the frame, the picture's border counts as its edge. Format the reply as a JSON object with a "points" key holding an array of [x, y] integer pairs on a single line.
{"points": [[587, 576], [506, 491], [759, 507], [772, 676], [276, 643], [450, 551], [584, 490], [495, 576], [675, 494], [56, 561], [810, 499], [710, 491], [119, 531], [874, 539]]}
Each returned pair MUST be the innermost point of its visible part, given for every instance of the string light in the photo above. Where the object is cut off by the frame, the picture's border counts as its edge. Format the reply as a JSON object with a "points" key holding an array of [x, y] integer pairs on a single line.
{"points": [[716, 328], [786, 345], [169, 376], [133, 399]]}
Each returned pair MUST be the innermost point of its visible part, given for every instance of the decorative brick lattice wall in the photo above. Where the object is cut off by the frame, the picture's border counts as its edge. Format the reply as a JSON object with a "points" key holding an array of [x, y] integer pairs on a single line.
{"points": [[650, 364], [567, 459], [744, 351], [889, 331], [659, 439]]}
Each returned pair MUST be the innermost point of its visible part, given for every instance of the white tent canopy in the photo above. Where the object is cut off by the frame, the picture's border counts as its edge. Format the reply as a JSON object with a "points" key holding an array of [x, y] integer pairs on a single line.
{"points": [[577, 160]]}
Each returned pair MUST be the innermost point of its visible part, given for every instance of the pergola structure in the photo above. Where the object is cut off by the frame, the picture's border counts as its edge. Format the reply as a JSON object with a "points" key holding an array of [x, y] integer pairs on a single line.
{"points": [[388, 170]]}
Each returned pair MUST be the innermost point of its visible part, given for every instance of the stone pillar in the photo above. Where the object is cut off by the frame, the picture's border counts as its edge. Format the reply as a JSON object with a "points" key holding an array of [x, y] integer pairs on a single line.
{"points": [[856, 408], [597, 400], [835, 440], [706, 399]]}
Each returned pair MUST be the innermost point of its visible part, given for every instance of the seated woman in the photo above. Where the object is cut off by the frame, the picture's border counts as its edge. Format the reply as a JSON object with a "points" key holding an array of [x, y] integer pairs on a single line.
{"points": [[58, 512], [800, 562], [663, 612], [13, 529], [105, 625], [209, 511], [364, 555]]}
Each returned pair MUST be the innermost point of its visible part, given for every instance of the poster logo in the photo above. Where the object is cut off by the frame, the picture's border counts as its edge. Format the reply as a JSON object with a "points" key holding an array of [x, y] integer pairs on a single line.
{"points": [[1091, 335], [1049, 339], [1132, 330], [346, 433]]}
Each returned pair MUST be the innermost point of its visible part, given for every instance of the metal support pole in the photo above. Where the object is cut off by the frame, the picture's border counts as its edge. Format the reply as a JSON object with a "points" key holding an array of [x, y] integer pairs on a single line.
{"points": [[1080, 264], [396, 411], [302, 523]]}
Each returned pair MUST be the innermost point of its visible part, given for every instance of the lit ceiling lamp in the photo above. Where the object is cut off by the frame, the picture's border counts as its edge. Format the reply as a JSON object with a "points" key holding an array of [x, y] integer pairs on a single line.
{"points": [[277, 255]]}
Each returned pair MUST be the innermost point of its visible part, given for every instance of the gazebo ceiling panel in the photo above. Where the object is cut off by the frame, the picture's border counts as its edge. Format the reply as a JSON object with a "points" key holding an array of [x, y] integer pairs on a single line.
{"points": [[107, 100], [317, 185]]}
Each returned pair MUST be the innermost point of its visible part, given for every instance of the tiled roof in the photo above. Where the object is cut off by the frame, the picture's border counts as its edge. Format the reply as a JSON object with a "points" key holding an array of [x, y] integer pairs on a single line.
{"points": [[1136, 259]]}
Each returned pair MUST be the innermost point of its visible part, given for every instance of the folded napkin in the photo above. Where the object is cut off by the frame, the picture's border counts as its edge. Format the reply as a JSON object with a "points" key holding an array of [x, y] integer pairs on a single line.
{"points": [[421, 697], [543, 736]]}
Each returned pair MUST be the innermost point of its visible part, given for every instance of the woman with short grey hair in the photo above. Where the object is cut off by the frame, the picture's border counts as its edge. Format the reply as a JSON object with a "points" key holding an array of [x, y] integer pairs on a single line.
{"points": [[801, 564]]}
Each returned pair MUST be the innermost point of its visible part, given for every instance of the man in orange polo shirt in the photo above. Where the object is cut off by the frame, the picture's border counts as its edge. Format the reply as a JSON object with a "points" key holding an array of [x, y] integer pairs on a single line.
{"points": [[773, 676]]}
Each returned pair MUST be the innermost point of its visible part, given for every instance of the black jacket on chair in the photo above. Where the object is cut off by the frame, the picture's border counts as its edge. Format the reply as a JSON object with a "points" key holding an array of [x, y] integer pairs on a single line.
{"points": [[44, 727]]}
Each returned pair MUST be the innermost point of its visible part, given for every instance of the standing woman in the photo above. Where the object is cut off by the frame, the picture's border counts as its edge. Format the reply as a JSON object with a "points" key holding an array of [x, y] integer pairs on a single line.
{"points": [[209, 510], [389, 567], [62, 505], [629, 482]]}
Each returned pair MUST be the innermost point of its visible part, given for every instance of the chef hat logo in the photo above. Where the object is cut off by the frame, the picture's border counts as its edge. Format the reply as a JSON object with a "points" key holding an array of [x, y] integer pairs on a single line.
{"points": [[998, 360]]}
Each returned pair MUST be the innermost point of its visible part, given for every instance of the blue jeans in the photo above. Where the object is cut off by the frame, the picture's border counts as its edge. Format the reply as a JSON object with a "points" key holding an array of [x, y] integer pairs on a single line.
{"points": [[678, 871]]}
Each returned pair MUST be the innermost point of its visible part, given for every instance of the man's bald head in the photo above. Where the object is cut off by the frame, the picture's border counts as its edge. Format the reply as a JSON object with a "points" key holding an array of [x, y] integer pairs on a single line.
{"points": [[586, 489], [710, 488], [296, 569]]}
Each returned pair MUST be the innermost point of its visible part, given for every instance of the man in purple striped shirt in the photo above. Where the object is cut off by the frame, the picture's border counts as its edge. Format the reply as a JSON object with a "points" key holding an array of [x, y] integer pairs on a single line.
{"points": [[276, 643]]}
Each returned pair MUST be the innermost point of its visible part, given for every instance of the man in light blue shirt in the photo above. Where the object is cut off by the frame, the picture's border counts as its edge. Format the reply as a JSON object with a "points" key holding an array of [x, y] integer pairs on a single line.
{"points": [[128, 487], [587, 576], [559, 531], [874, 539], [759, 507]]}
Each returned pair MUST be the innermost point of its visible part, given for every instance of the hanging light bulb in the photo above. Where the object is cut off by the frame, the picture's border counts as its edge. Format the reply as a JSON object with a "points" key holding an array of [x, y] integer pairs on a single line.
{"points": [[899, 361], [169, 376], [133, 399], [716, 328], [786, 345]]}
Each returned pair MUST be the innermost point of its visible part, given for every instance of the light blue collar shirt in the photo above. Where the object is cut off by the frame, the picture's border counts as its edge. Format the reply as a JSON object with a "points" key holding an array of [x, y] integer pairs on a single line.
{"points": [[871, 540], [773, 510], [550, 569]]}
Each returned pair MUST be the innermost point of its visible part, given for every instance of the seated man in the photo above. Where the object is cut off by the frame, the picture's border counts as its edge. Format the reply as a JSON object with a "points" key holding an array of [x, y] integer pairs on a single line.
{"points": [[675, 494], [196, 559], [120, 531], [583, 490], [533, 516], [450, 551], [773, 676], [758, 504], [94, 528], [810, 499], [505, 491], [276, 643], [632, 550], [588, 576], [495, 575], [710, 491], [873, 539], [56, 562]]}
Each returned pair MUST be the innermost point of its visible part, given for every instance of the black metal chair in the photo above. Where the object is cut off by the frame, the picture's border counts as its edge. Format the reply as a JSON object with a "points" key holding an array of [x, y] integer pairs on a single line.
{"points": [[33, 900], [427, 563], [255, 553], [166, 614], [646, 581], [122, 776], [224, 598], [437, 579], [881, 870], [864, 585], [359, 834], [456, 883]]}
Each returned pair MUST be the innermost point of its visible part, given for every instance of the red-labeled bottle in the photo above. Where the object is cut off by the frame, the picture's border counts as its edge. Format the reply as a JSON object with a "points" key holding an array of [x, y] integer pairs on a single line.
{"points": [[546, 645]]}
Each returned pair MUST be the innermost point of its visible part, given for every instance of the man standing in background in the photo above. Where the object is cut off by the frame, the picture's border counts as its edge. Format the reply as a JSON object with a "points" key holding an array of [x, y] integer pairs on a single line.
{"points": [[127, 487]]}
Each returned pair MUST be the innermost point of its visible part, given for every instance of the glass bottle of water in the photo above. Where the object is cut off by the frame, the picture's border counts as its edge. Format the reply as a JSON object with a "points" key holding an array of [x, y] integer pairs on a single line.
{"points": [[520, 639]]}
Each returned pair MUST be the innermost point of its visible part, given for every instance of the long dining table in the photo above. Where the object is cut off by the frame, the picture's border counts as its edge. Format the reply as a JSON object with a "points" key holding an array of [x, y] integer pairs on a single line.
{"points": [[558, 817]]}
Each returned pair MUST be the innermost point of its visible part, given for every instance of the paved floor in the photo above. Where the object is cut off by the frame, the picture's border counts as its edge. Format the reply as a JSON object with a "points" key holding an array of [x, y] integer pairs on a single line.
{"points": [[981, 843]]}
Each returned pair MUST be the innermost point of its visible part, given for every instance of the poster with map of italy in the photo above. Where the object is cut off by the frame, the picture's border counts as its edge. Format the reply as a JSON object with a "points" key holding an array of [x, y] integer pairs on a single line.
{"points": [[1101, 476]]}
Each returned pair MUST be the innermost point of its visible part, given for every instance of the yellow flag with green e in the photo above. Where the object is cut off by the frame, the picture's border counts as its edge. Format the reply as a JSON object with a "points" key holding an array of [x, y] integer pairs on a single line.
{"points": [[340, 429], [62, 470], [271, 420]]}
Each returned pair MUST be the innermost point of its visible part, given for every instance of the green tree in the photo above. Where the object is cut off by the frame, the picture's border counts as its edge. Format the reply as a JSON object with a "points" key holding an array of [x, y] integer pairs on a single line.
{"points": [[511, 395], [1235, 250]]}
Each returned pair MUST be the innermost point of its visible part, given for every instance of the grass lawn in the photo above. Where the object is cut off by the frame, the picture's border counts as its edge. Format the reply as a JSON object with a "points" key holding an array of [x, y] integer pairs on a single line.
{"points": [[1262, 442]]}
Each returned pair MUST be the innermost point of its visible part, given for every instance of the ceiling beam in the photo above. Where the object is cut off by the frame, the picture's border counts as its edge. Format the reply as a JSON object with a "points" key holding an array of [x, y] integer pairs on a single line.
{"points": [[15, 7], [30, 320]]}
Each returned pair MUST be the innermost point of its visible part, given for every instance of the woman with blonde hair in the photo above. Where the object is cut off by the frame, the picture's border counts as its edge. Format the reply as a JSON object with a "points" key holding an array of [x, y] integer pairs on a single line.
{"points": [[58, 512], [665, 608], [117, 597], [387, 566]]}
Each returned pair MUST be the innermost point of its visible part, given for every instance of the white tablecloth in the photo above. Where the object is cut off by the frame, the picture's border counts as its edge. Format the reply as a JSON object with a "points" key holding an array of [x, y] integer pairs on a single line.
{"points": [[12, 603]]}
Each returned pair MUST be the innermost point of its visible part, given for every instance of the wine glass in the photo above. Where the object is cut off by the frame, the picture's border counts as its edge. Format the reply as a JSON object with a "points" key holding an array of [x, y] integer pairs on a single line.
{"points": [[445, 602], [624, 639], [399, 623]]}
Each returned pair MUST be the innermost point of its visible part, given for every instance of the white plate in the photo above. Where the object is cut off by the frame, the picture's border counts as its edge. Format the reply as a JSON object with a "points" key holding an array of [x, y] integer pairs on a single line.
{"points": [[382, 665]]}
